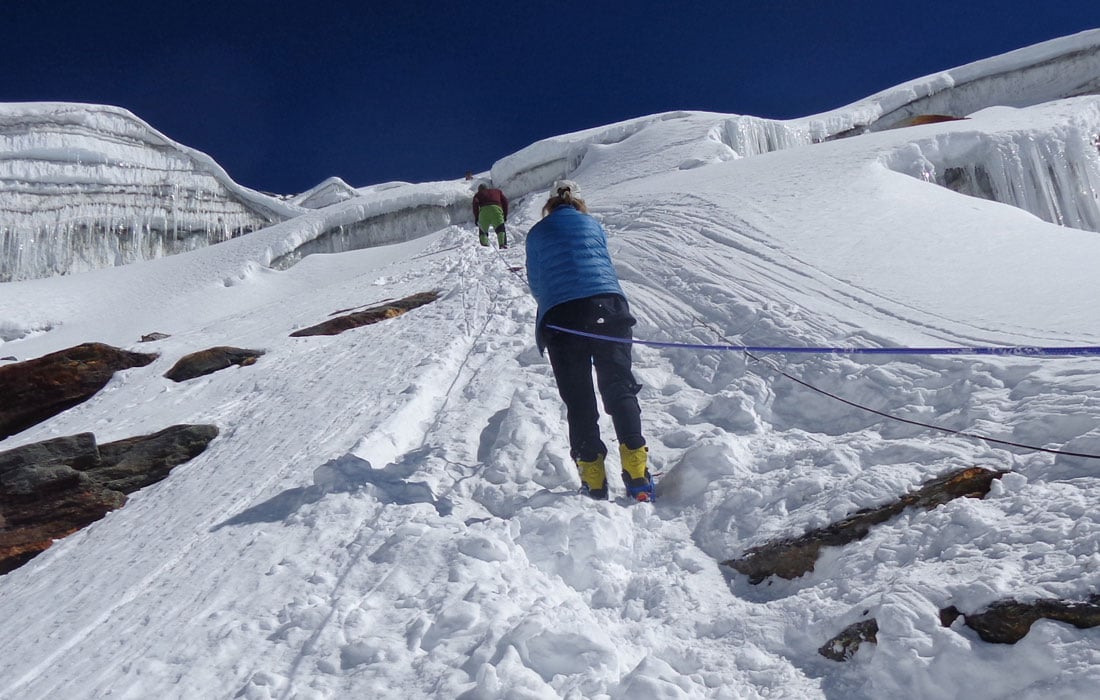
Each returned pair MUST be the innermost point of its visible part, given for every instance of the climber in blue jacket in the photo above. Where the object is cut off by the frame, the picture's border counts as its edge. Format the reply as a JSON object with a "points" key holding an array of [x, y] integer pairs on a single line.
{"points": [[574, 282]]}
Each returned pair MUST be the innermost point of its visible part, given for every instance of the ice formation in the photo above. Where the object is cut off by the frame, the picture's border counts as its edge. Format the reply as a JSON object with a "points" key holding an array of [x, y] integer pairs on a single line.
{"points": [[1045, 160], [89, 186], [387, 215]]}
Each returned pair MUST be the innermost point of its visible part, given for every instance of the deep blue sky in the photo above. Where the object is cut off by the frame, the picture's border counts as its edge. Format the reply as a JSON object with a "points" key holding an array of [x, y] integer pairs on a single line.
{"points": [[285, 94]]}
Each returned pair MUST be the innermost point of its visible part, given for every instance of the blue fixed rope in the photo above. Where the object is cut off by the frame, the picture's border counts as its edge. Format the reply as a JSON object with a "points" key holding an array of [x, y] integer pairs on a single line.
{"points": [[749, 349], [1023, 350]]}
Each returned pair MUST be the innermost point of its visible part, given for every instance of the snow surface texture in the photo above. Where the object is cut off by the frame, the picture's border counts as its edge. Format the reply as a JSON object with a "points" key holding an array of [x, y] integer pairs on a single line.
{"points": [[392, 512]]}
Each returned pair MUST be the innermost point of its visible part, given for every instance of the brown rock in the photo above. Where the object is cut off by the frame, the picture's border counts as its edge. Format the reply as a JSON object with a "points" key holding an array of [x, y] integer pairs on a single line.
{"points": [[791, 558], [368, 316], [53, 488], [204, 362], [39, 389], [134, 463], [1009, 621]]}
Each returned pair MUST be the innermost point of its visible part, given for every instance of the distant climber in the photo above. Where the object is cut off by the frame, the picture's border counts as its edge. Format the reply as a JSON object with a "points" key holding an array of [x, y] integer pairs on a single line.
{"points": [[491, 212], [574, 282]]}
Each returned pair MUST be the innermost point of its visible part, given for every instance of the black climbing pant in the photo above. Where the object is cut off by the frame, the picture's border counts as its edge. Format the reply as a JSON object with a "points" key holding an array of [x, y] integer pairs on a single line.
{"points": [[573, 358]]}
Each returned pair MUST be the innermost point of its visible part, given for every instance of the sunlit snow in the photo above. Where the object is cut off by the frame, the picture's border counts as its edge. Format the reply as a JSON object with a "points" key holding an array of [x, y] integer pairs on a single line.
{"points": [[391, 512]]}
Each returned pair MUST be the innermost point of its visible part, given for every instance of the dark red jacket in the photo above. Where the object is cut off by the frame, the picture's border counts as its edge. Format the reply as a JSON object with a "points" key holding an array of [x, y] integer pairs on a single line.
{"points": [[489, 196]]}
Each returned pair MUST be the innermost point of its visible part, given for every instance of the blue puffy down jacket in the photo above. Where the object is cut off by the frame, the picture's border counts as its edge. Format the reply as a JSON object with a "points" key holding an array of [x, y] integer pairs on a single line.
{"points": [[567, 259]]}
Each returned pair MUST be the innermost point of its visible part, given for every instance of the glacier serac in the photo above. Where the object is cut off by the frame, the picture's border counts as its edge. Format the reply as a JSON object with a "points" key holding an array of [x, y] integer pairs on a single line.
{"points": [[90, 186]]}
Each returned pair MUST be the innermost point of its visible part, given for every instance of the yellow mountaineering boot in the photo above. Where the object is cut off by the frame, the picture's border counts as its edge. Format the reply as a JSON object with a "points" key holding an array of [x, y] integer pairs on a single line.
{"points": [[593, 478], [636, 477]]}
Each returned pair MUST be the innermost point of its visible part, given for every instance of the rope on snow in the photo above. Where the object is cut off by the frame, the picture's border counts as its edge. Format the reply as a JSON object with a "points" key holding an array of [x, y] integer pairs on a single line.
{"points": [[749, 350], [1018, 351]]}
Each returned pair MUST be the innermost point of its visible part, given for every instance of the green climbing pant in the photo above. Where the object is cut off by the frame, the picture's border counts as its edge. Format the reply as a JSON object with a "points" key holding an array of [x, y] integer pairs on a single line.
{"points": [[491, 217]]}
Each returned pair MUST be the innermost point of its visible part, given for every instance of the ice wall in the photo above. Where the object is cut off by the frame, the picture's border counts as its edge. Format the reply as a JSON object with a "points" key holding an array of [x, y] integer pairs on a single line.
{"points": [[1045, 160], [379, 216], [1065, 67], [1060, 68], [752, 136], [89, 186], [401, 225]]}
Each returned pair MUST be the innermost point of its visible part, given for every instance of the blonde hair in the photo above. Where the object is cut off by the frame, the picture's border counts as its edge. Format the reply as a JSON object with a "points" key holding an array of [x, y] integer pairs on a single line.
{"points": [[564, 197]]}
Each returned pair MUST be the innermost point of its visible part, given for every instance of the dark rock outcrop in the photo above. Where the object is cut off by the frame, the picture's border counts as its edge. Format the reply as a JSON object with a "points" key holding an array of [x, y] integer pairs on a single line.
{"points": [[53, 488], [41, 388], [368, 316], [844, 646], [1009, 621], [208, 361], [791, 558]]}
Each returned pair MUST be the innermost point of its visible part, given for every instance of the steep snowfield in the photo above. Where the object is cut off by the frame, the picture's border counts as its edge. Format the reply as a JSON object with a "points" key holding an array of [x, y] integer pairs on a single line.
{"points": [[391, 512]]}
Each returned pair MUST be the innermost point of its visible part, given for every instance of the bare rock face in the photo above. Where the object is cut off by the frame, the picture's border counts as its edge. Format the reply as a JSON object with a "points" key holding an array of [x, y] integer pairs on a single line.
{"points": [[1009, 621], [211, 360], [53, 488], [41, 388], [368, 316], [791, 558]]}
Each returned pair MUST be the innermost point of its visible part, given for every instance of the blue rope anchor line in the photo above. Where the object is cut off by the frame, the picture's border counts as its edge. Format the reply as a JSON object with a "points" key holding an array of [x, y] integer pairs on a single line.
{"points": [[1024, 351], [1020, 350], [749, 350]]}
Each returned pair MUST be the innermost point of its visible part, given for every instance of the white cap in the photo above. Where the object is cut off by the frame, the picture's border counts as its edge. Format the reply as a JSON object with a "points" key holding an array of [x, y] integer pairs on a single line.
{"points": [[560, 185]]}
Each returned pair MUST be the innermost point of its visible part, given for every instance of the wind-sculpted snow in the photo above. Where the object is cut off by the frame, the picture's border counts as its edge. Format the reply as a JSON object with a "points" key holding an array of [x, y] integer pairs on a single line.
{"points": [[332, 191], [87, 186], [1044, 160], [392, 511], [538, 165]]}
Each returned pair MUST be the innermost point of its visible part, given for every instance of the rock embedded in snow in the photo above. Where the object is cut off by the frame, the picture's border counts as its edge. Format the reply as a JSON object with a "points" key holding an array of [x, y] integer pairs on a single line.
{"points": [[52, 488], [368, 316], [1009, 621], [791, 558], [211, 360], [38, 389]]}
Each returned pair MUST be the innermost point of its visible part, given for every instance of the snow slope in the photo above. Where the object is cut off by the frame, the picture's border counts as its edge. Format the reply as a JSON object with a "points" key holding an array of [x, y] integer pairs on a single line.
{"points": [[391, 512]]}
